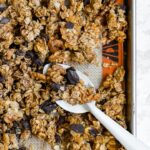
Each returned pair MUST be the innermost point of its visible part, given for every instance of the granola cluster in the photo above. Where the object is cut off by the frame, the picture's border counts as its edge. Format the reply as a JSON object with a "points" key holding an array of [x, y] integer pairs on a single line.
{"points": [[60, 30], [113, 21]]}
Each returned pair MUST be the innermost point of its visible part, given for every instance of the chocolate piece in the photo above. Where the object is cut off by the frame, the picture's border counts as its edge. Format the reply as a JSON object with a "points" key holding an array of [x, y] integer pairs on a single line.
{"points": [[38, 62], [19, 53], [69, 25], [86, 2], [94, 132], [57, 138], [25, 123], [48, 106], [55, 86], [72, 76], [77, 128], [2, 7], [30, 54], [4, 20]]}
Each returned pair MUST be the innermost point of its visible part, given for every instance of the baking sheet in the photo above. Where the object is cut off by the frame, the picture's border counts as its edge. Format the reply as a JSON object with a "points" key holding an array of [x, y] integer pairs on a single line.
{"points": [[118, 51]]}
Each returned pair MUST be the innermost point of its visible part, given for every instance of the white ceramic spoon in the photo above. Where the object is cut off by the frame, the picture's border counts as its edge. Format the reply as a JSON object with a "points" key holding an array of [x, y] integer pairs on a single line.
{"points": [[123, 136]]}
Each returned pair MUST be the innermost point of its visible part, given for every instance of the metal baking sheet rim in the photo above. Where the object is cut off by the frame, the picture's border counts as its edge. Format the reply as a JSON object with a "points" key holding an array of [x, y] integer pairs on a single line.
{"points": [[131, 69]]}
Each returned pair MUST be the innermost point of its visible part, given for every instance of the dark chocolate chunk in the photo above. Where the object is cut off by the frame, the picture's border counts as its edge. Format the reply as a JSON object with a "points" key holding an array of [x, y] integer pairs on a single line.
{"points": [[67, 3], [69, 25], [25, 123], [13, 45], [94, 132], [34, 57], [77, 128], [72, 76], [2, 7], [103, 101], [19, 53], [57, 138], [48, 106], [38, 62], [16, 128], [4, 20], [86, 2], [55, 86], [2, 79], [30, 54], [61, 120]]}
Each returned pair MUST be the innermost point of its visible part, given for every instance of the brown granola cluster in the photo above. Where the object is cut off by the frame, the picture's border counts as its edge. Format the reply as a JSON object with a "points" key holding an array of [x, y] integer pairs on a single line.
{"points": [[113, 21], [79, 94], [113, 97], [60, 30]]}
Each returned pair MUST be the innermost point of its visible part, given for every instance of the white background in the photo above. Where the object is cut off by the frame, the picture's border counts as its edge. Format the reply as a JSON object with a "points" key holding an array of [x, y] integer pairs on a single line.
{"points": [[143, 69]]}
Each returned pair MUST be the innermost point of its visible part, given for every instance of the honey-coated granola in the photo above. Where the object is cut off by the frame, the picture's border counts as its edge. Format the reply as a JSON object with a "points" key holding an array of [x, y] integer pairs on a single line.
{"points": [[60, 30], [36, 32]]}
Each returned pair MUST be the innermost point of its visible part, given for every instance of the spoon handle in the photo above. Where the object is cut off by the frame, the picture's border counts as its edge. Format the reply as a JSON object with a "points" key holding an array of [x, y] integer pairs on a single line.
{"points": [[123, 136]]}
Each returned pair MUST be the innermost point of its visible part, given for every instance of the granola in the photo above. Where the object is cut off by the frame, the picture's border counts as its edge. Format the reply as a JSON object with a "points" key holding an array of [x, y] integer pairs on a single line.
{"points": [[62, 30], [36, 32], [28, 106]]}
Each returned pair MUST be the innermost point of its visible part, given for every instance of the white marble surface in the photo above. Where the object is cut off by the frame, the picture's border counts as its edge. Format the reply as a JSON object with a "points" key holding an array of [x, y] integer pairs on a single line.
{"points": [[143, 69]]}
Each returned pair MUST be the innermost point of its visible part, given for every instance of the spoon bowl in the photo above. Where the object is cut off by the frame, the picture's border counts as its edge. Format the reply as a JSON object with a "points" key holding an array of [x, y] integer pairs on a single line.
{"points": [[66, 106]]}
